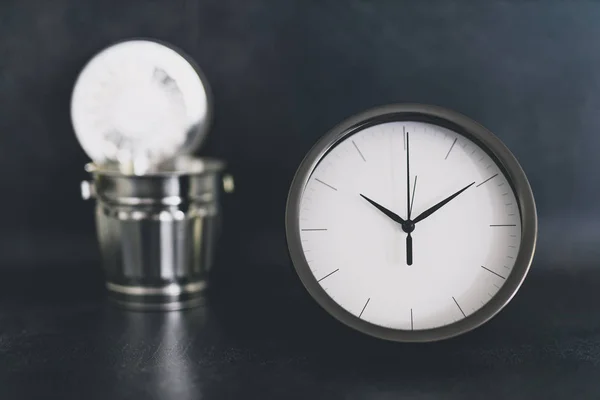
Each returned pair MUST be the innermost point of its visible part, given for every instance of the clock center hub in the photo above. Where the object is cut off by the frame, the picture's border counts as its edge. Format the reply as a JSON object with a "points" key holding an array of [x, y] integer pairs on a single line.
{"points": [[408, 226]]}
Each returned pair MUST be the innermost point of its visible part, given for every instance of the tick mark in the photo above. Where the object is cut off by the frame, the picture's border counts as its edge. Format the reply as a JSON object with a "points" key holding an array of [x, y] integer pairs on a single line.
{"points": [[473, 152], [412, 326], [329, 274], [363, 310], [504, 194], [456, 302], [490, 178], [507, 204], [451, 147], [489, 166], [496, 286], [314, 229], [489, 270], [501, 183], [506, 267], [326, 184], [359, 152], [489, 294], [505, 225], [512, 247], [512, 235], [482, 157], [510, 257]]}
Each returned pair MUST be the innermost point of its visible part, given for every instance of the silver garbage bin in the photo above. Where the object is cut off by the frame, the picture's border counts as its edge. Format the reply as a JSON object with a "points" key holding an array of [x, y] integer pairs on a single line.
{"points": [[157, 232], [139, 109]]}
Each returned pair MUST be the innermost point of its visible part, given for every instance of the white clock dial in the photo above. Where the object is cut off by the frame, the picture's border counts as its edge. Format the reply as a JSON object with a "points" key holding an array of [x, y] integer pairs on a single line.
{"points": [[462, 253]]}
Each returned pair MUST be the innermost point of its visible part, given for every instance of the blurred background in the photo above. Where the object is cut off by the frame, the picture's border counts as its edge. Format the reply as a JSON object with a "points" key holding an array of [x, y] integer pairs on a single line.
{"points": [[283, 73]]}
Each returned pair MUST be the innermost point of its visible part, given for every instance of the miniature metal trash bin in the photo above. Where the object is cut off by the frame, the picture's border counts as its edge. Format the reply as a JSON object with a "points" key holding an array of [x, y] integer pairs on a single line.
{"points": [[157, 232]]}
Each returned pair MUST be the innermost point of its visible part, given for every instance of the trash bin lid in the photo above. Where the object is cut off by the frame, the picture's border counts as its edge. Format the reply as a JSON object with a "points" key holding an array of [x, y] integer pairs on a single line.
{"points": [[139, 103]]}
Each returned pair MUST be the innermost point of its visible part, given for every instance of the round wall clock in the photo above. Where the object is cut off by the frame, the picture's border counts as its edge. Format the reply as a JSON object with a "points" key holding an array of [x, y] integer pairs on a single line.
{"points": [[411, 223]]}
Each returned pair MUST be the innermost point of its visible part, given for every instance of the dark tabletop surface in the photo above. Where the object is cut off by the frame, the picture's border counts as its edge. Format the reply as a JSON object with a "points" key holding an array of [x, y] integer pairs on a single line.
{"points": [[60, 338]]}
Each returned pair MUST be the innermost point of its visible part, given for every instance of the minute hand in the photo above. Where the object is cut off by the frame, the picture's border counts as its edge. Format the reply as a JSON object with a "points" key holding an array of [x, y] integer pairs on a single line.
{"points": [[439, 205]]}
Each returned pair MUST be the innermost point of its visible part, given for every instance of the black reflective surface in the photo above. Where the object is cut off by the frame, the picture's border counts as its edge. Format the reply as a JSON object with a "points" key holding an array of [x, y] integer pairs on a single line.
{"points": [[60, 339]]}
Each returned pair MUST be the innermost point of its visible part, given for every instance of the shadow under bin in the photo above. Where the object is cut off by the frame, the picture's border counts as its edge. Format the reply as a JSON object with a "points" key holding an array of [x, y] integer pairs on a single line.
{"points": [[157, 232]]}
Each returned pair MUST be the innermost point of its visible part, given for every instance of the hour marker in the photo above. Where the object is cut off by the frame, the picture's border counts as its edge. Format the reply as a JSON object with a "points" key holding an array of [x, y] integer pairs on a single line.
{"points": [[404, 136], [326, 184], [412, 326], [329, 274], [457, 305], [363, 309], [490, 178], [505, 225], [314, 229], [489, 270], [359, 152], [451, 147]]}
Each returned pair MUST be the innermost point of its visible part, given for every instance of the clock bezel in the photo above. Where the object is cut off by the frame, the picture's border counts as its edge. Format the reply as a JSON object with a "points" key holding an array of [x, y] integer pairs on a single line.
{"points": [[462, 125]]}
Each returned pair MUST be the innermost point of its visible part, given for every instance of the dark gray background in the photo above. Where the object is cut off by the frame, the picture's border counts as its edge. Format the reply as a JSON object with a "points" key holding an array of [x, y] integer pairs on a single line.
{"points": [[283, 73]]}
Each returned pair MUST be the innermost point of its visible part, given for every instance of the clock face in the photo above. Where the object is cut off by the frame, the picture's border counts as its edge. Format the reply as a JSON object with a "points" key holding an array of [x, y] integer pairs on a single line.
{"points": [[408, 225]]}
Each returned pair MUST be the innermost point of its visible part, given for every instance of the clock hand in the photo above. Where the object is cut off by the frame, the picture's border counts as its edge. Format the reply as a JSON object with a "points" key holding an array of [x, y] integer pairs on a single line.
{"points": [[412, 200], [409, 252], [439, 205], [384, 210], [408, 227], [407, 178]]}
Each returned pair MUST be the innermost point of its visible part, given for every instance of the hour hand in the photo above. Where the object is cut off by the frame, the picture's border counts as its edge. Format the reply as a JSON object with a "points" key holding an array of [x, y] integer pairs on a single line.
{"points": [[439, 205], [393, 216]]}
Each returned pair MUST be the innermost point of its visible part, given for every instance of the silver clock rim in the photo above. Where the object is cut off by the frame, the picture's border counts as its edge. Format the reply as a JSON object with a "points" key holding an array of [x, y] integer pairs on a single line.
{"points": [[462, 125]]}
